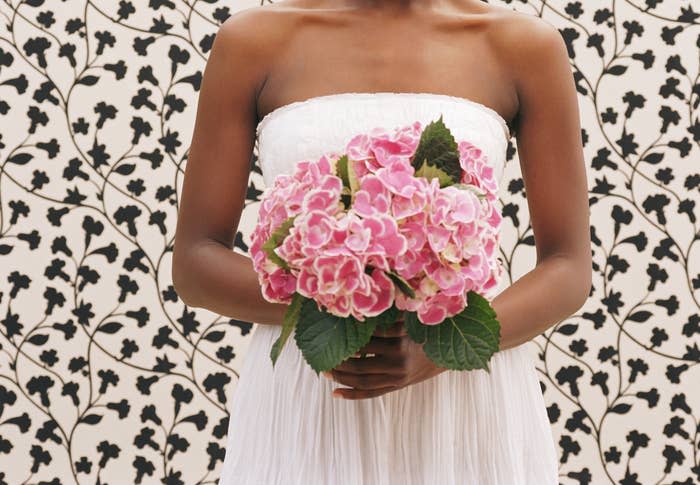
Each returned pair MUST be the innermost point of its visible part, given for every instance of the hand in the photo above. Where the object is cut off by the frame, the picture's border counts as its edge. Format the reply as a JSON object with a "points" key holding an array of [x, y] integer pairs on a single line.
{"points": [[397, 362]]}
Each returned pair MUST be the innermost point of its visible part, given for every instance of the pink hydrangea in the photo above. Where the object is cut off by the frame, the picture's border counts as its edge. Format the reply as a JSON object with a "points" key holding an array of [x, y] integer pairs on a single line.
{"points": [[442, 241]]}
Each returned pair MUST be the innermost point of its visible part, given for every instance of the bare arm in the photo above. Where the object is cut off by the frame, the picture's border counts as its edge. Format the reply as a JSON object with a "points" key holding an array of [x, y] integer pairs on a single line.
{"points": [[206, 272], [551, 157]]}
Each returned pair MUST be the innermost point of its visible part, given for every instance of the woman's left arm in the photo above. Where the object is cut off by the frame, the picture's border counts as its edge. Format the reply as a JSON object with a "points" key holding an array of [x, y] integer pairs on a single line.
{"points": [[550, 150], [548, 134]]}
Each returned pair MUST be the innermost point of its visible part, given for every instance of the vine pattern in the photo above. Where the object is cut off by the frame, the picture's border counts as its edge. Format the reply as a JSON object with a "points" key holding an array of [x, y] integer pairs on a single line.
{"points": [[107, 377]]}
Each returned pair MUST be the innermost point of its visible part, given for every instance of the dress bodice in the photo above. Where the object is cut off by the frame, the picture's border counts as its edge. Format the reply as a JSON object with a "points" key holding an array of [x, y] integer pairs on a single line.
{"points": [[486, 428], [309, 128]]}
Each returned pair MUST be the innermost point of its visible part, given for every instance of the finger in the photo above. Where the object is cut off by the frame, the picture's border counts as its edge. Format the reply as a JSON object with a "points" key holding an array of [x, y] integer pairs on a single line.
{"points": [[346, 393], [364, 381], [381, 364]]}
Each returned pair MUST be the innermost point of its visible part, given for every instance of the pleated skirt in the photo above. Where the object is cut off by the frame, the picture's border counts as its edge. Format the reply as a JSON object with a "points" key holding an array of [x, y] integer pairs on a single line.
{"points": [[459, 427]]}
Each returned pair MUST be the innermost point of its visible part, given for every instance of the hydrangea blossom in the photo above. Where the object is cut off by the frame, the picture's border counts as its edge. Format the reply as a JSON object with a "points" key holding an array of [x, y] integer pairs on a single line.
{"points": [[442, 241]]}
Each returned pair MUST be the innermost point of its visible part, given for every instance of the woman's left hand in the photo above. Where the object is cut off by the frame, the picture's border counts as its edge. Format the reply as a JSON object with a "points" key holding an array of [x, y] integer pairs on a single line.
{"points": [[397, 362]]}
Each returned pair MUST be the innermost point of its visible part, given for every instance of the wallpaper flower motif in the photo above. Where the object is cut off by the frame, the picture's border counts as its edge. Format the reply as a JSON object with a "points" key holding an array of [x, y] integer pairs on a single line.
{"points": [[107, 377]]}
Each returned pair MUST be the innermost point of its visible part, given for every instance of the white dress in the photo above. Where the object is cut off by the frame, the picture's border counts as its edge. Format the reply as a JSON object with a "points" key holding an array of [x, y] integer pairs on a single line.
{"points": [[460, 427]]}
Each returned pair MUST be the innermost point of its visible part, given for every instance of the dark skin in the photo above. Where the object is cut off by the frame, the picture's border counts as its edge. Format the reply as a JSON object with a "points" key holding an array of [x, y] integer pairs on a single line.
{"points": [[397, 362], [266, 57]]}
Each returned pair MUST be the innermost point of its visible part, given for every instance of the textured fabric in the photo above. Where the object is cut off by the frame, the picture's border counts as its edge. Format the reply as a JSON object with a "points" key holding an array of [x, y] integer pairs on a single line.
{"points": [[460, 427]]}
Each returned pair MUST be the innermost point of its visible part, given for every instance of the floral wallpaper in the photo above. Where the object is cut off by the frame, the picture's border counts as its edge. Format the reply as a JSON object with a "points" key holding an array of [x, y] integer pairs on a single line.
{"points": [[107, 377]]}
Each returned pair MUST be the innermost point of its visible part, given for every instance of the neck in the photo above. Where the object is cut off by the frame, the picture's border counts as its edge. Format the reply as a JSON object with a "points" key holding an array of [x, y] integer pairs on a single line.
{"points": [[394, 5]]}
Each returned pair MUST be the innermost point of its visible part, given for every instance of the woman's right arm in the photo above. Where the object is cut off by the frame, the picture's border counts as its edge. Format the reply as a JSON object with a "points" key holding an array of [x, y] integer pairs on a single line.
{"points": [[206, 272]]}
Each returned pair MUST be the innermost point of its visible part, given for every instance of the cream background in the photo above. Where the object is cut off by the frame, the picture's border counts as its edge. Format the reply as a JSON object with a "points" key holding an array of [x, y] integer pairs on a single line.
{"points": [[42, 286]]}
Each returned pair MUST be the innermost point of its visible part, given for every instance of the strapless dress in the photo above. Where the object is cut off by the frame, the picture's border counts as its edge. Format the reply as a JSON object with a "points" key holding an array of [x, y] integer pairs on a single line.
{"points": [[459, 427]]}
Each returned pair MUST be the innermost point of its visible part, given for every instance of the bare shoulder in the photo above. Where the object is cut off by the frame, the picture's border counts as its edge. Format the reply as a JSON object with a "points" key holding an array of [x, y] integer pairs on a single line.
{"points": [[259, 29], [517, 26], [535, 57], [247, 44], [527, 42]]}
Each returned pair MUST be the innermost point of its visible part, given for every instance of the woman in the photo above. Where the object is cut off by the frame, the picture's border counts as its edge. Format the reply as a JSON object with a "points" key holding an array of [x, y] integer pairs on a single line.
{"points": [[322, 71]]}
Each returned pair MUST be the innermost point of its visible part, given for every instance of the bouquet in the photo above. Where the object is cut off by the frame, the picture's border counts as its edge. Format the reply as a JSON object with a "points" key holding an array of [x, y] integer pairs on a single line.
{"points": [[400, 222]]}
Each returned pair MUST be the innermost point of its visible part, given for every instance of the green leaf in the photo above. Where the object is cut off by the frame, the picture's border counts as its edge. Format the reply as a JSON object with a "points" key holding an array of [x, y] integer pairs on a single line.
{"points": [[291, 317], [415, 329], [342, 168], [464, 341], [385, 319], [275, 240], [431, 172], [326, 340], [401, 283], [438, 148]]}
